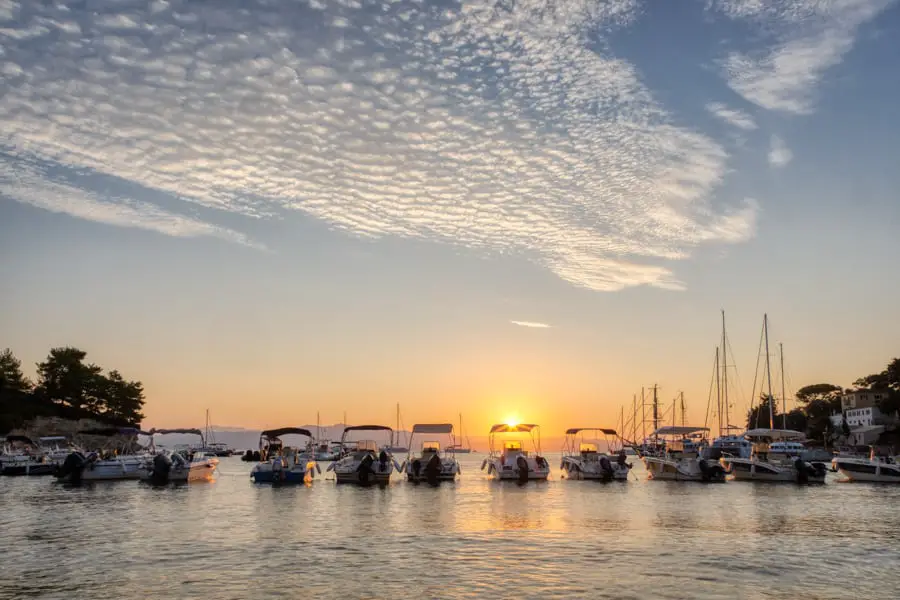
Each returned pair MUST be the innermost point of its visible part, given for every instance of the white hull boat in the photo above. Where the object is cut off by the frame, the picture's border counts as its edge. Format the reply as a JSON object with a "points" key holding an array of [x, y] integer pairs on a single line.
{"points": [[775, 458], [280, 464], [512, 463], [78, 467], [582, 460], [875, 469], [684, 457], [366, 464], [431, 464]]}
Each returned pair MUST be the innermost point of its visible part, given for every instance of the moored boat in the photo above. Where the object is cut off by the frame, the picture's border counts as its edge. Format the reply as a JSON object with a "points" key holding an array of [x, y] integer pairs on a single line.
{"points": [[582, 458], [774, 461], [366, 463], [118, 460], [511, 462], [879, 467], [280, 463], [431, 464], [686, 456], [185, 466]]}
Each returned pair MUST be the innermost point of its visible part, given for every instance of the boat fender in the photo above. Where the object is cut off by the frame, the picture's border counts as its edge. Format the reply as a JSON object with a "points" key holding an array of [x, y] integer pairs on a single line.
{"points": [[522, 465]]}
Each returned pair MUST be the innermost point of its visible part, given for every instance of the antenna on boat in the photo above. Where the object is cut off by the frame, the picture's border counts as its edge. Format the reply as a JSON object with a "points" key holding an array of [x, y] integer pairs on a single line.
{"points": [[768, 370]]}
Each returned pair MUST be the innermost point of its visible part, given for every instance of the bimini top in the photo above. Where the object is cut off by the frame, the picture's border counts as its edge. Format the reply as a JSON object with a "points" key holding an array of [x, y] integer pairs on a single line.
{"points": [[19, 438], [155, 431], [111, 431], [433, 428], [276, 433], [678, 430], [575, 430], [54, 438], [774, 434], [520, 428], [367, 428]]}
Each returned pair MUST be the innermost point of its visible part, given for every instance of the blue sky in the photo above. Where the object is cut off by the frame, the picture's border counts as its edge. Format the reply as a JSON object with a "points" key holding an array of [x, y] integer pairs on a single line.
{"points": [[348, 203]]}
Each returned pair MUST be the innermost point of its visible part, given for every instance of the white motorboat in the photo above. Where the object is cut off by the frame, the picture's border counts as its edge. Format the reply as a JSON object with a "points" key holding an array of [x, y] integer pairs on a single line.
{"points": [[511, 461], [733, 445], [582, 458], [21, 456], [365, 464], [879, 467], [178, 467], [686, 456], [772, 460], [283, 464], [117, 461], [431, 464]]}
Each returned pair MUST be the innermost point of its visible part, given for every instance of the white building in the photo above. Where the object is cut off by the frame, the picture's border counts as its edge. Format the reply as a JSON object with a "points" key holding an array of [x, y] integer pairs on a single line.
{"points": [[860, 410]]}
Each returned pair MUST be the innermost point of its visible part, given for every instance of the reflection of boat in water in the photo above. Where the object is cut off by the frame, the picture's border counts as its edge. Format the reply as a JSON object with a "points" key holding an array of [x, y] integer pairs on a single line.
{"points": [[115, 462], [686, 456], [364, 464], [431, 464], [512, 462], [583, 460], [879, 467], [280, 463], [773, 460], [178, 467]]}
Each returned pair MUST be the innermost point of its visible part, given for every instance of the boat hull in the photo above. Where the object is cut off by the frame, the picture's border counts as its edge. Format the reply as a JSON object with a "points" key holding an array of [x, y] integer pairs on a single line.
{"points": [[354, 477], [509, 472], [575, 468], [667, 469], [28, 469], [281, 476], [753, 470], [867, 471], [201, 472]]}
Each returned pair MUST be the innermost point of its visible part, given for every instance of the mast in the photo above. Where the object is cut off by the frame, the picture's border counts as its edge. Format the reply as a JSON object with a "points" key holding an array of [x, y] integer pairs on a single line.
{"points": [[718, 392], [725, 373], [643, 417], [318, 427], [634, 418], [655, 412], [768, 370], [682, 409], [783, 394]]}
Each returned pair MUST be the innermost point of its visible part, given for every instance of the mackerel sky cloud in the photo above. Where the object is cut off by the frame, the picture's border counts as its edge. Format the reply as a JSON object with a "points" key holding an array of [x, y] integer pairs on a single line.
{"points": [[512, 128]]}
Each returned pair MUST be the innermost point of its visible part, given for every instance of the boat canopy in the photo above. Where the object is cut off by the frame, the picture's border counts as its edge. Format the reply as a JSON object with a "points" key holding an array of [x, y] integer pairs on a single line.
{"points": [[433, 428], [53, 438], [575, 430], [20, 438], [276, 433], [155, 431], [520, 428], [774, 434], [678, 430], [367, 428]]}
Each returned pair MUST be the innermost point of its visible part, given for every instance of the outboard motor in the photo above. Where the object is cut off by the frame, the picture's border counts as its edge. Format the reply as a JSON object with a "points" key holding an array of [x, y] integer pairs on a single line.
{"points": [[607, 468], [416, 468], [710, 471], [383, 461], [522, 465], [162, 465], [365, 471], [433, 469], [802, 473], [72, 467]]}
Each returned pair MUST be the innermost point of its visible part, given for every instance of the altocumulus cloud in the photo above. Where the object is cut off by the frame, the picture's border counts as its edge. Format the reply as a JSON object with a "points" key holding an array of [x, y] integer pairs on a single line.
{"points": [[498, 126]]}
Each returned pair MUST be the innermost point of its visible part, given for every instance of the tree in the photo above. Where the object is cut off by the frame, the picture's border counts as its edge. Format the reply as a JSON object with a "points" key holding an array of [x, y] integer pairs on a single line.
{"points": [[889, 380], [124, 399], [758, 416], [820, 401], [64, 379], [11, 377]]}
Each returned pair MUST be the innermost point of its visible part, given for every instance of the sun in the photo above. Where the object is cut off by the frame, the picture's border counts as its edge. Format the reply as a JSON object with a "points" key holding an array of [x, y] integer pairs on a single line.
{"points": [[512, 421]]}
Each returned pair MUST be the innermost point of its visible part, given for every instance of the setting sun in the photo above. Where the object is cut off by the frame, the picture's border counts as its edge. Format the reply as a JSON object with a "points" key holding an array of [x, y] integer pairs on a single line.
{"points": [[512, 421]]}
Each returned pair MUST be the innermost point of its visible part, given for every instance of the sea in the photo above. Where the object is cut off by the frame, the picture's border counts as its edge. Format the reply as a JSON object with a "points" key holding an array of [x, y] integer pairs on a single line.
{"points": [[475, 538]]}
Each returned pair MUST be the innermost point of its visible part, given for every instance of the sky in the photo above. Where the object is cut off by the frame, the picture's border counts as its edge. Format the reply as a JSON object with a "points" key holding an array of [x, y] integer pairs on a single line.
{"points": [[515, 210]]}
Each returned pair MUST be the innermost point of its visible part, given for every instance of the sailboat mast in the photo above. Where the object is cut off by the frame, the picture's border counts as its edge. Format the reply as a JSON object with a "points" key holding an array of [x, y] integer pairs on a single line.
{"points": [[655, 412], [682, 409], [783, 394], [643, 417], [718, 391], [725, 372], [634, 418], [768, 370]]}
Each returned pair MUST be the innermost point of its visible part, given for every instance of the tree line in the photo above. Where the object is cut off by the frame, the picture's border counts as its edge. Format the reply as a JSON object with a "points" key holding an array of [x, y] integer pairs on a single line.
{"points": [[69, 387], [820, 400]]}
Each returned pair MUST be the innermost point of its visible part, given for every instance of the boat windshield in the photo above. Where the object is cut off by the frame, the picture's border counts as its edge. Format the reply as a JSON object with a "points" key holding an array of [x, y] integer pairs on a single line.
{"points": [[366, 446], [432, 447], [512, 446], [588, 448]]}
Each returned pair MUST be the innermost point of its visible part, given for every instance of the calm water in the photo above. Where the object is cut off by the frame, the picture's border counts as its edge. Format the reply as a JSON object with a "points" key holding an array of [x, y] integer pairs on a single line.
{"points": [[475, 538]]}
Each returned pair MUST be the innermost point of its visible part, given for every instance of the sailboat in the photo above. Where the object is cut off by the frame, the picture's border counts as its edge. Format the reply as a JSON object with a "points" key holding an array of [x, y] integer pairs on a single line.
{"points": [[730, 441], [396, 447], [773, 457], [212, 446], [459, 448]]}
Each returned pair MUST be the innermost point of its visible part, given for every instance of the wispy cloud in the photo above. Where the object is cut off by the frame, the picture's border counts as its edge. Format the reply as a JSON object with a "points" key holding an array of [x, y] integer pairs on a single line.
{"points": [[802, 40], [732, 116], [496, 126], [779, 154], [532, 324]]}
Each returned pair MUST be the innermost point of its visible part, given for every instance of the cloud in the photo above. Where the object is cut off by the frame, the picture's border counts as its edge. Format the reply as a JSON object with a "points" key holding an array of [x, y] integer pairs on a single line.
{"points": [[734, 117], [499, 127], [531, 324], [27, 185], [779, 154], [802, 40]]}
